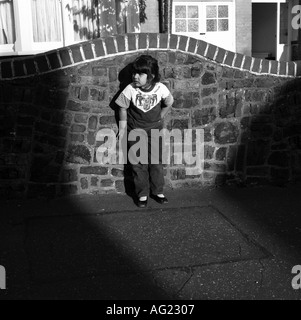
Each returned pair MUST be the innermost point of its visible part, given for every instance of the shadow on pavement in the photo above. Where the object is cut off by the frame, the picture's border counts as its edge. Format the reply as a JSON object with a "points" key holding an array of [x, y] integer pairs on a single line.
{"points": [[274, 212], [53, 251]]}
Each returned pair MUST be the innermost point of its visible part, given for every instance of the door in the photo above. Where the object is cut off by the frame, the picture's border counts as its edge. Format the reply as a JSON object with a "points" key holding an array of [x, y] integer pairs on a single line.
{"points": [[213, 22], [264, 30]]}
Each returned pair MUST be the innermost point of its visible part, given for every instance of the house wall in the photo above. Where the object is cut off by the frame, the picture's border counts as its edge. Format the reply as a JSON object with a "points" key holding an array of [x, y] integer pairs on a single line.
{"points": [[244, 27], [53, 105]]}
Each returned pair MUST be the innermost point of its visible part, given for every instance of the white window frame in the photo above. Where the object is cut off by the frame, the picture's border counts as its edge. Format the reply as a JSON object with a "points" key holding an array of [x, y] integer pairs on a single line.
{"points": [[7, 48], [202, 14], [216, 4], [24, 43], [49, 45], [187, 4], [203, 19]]}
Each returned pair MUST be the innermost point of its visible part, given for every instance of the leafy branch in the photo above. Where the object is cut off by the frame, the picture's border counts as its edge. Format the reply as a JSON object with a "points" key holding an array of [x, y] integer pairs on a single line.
{"points": [[93, 14], [142, 9]]}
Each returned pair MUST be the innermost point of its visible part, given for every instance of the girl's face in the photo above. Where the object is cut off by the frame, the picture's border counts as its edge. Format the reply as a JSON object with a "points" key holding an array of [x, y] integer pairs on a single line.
{"points": [[140, 80]]}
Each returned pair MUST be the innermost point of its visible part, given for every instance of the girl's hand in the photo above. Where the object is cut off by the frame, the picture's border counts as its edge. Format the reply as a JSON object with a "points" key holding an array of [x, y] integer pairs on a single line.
{"points": [[165, 111], [120, 135]]}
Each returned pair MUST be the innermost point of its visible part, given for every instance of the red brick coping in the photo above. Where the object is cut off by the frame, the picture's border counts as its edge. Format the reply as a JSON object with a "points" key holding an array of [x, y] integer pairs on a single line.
{"points": [[65, 57]]}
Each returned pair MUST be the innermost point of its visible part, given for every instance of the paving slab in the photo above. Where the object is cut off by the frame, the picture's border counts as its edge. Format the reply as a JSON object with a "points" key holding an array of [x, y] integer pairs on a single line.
{"points": [[267, 279], [131, 243]]}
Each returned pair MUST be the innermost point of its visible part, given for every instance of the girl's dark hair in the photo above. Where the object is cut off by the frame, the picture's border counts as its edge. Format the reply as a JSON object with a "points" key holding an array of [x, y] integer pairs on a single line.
{"points": [[149, 65]]}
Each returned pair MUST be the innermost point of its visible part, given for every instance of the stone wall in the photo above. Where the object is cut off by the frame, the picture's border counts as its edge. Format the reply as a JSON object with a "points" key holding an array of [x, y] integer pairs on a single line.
{"points": [[53, 105]]}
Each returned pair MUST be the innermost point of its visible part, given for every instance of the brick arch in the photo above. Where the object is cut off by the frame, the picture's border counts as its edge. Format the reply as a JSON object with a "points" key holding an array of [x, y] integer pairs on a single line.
{"points": [[123, 44]]}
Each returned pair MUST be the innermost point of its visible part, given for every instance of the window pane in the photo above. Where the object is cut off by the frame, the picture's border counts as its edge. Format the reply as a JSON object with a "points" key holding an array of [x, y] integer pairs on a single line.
{"points": [[223, 11], [223, 25], [7, 22], [211, 12], [193, 12], [211, 25], [46, 18], [193, 25], [181, 26], [180, 12]]}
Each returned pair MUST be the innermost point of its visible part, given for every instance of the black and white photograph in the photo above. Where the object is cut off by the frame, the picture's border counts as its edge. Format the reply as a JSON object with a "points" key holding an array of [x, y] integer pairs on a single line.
{"points": [[150, 153]]}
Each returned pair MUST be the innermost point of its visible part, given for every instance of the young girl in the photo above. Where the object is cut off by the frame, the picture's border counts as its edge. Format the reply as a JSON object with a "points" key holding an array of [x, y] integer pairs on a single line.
{"points": [[143, 105]]}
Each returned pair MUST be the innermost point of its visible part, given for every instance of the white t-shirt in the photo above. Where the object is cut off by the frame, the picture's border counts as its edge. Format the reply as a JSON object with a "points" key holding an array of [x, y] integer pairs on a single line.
{"points": [[144, 106]]}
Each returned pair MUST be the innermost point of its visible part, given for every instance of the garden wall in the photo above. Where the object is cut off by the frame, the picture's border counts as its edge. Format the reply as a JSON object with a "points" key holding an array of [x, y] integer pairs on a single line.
{"points": [[53, 105]]}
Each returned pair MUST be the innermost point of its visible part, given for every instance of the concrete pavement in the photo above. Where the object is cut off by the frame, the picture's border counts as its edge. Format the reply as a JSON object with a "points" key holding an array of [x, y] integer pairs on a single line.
{"points": [[228, 243]]}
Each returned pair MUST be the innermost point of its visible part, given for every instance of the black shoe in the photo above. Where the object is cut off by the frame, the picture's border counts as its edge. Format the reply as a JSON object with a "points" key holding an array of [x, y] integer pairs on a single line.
{"points": [[159, 199], [142, 204]]}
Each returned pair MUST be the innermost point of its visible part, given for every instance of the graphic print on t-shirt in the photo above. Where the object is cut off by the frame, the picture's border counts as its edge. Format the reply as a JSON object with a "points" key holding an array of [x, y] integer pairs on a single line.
{"points": [[146, 102]]}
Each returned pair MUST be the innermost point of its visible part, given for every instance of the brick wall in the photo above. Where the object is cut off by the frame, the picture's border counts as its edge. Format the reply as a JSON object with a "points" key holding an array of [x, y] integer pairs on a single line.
{"points": [[52, 105]]}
